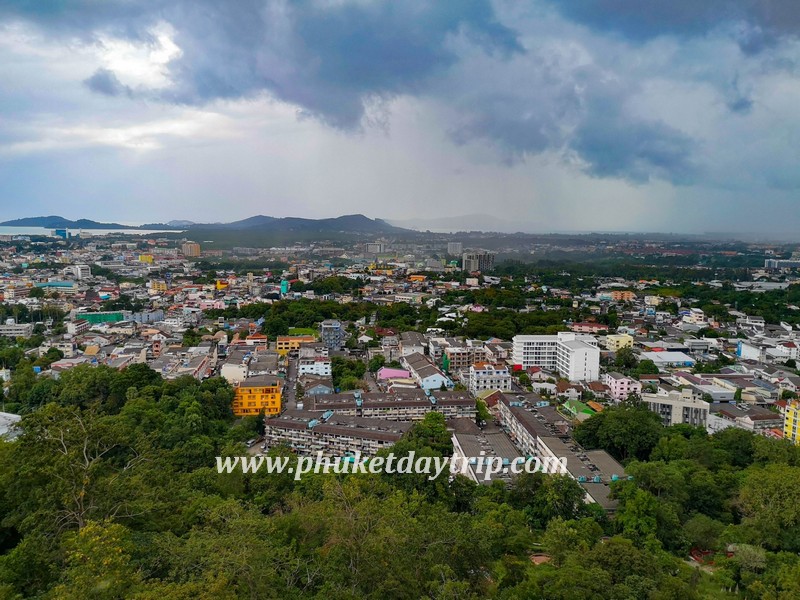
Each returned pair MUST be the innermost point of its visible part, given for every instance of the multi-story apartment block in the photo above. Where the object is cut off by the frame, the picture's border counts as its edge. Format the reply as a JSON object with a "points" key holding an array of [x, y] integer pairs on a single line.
{"points": [[620, 386], [333, 434], [78, 271], [332, 334], [12, 329], [678, 407], [318, 365], [190, 249], [623, 296], [375, 247], [574, 356], [618, 341], [459, 356], [286, 343], [791, 422], [477, 261], [487, 376], [78, 326], [257, 394], [405, 405]]}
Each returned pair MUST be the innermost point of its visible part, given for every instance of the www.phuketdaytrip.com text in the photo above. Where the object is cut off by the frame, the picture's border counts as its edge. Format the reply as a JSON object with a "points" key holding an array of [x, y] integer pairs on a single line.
{"points": [[432, 466]]}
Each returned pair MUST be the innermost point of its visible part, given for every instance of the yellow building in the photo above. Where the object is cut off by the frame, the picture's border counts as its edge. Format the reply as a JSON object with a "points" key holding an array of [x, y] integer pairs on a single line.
{"points": [[158, 286], [286, 343], [146, 258], [190, 249], [257, 394], [617, 341], [791, 422]]}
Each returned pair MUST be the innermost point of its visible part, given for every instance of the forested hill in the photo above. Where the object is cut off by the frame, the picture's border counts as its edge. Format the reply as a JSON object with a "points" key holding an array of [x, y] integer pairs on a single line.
{"points": [[110, 492]]}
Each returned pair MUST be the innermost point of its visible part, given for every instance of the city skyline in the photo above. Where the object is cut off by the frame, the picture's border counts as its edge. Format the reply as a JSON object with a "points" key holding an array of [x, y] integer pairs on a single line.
{"points": [[555, 115]]}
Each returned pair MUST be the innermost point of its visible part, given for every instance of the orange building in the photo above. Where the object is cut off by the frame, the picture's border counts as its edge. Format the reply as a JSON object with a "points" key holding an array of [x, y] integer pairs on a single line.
{"points": [[256, 394], [286, 343], [623, 296]]}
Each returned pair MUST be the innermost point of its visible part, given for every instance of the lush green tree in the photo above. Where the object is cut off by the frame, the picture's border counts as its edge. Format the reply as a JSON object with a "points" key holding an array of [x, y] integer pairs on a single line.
{"points": [[624, 432], [376, 362]]}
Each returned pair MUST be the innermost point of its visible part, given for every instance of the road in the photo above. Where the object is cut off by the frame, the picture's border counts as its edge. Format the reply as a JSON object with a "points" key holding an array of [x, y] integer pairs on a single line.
{"points": [[290, 400]]}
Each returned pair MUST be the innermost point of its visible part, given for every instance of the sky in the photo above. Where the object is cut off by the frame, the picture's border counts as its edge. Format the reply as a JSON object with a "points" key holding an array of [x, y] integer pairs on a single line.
{"points": [[612, 115]]}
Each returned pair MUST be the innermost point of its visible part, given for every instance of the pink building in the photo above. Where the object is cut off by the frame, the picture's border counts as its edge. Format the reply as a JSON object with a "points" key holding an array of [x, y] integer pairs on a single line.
{"points": [[586, 327], [387, 373], [620, 387]]}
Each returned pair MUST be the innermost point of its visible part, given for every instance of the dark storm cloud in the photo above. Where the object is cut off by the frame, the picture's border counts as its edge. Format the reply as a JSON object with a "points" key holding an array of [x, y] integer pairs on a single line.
{"points": [[327, 58], [105, 82], [642, 19], [333, 59]]}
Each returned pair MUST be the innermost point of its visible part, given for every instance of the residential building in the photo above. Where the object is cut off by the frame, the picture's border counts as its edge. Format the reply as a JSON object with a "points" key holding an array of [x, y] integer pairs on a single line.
{"points": [[78, 271], [256, 394], [618, 341], [588, 327], [487, 376], [791, 422], [575, 357], [458, 356], [78, 326], [333, 434], [477, 261], [620, 386], [332, 334], [455, 248], [374, 247], [750, 418], [15, 330], [678, 407], [190, 249], [411, 342], [317, 365], [427, 375], [623, 296], [287, 343]]}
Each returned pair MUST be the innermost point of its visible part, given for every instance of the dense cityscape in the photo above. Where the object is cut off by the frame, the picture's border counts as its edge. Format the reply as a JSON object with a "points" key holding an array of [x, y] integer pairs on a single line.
{"points": [[399, 299], [131, 360]]}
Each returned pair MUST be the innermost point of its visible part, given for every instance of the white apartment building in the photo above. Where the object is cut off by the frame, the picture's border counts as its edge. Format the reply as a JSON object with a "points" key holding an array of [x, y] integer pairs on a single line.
{"points": [[78, 326], [78, 271], [486, 376], [12, 329], [575, 357], [318, 365]]}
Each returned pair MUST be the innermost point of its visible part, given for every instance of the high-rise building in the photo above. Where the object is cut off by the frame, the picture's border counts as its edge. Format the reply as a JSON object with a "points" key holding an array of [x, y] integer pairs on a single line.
{"points": [[477, 261], [574, 356], [455, 248], [190, 249], [332, 334]]}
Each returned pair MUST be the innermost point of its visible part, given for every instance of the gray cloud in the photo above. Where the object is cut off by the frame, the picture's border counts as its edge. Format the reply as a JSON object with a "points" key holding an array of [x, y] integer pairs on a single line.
{"points": [[107, 83], [763, 20]]}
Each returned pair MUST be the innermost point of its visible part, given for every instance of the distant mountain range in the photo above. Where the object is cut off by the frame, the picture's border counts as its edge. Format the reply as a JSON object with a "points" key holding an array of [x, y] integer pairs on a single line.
{"points": [[56, 222], [345, 223]]}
